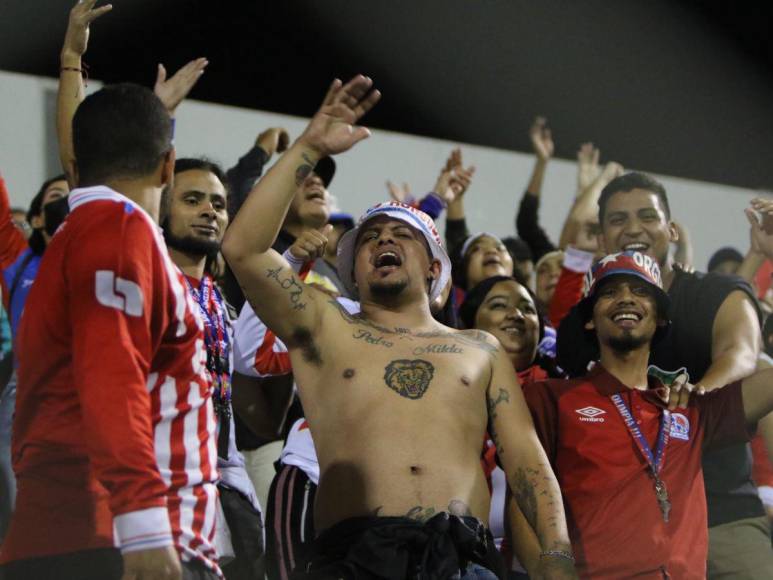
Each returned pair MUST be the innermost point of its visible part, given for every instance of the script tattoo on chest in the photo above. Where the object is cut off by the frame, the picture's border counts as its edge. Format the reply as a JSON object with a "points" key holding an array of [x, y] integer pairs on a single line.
{"points": [[370, 338], [409, 378]]}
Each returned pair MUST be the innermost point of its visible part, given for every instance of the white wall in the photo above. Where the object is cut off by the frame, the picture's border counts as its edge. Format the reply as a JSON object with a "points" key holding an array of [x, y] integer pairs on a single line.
{"points": [[713, 213]]}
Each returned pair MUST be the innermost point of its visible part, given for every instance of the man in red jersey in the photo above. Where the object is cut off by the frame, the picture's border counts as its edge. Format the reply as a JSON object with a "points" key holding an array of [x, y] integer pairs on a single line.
{"points": [[113, 434], [627, 459]]}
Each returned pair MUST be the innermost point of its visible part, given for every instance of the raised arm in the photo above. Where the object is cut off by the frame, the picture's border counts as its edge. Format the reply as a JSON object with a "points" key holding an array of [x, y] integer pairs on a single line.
{"points": [[585, 207], [287, 305], [529, 474], [527, 216], [71, 90]]}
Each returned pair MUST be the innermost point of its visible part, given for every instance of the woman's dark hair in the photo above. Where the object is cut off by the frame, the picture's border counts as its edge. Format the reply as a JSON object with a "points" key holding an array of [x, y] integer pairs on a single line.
{"points": [[37, 241]]}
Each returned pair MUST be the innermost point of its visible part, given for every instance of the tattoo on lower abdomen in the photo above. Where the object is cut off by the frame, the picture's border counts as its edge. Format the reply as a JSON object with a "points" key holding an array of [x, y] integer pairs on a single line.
{"points": [[409, 378], [456, 507], [420, 513], [291, 284]]}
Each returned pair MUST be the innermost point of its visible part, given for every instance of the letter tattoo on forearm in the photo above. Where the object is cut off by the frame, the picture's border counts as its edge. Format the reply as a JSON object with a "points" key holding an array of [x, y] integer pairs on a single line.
{"points": [[291, 284], [303, 170], [523, 490]]}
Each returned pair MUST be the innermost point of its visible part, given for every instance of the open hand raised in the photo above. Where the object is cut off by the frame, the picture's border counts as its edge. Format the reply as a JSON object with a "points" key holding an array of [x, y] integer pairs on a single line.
{"points": [[172, 91], [76, 39], [334, 129]]}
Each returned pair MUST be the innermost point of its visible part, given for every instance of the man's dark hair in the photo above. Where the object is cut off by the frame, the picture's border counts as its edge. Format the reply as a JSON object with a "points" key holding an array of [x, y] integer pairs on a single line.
{"points": [[121, 131], [37, 241], [629, 182]]}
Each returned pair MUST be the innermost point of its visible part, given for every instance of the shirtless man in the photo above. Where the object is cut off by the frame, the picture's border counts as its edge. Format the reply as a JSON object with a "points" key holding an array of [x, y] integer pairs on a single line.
{"points": [[398, 404]]}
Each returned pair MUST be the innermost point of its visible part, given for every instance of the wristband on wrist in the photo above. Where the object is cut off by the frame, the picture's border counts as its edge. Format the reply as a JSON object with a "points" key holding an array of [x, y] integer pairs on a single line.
{"points": [[557, 554], [295, 263]]}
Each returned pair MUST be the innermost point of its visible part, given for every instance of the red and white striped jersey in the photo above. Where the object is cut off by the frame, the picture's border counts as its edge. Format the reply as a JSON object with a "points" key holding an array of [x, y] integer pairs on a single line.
{"points": [[113, 439]]}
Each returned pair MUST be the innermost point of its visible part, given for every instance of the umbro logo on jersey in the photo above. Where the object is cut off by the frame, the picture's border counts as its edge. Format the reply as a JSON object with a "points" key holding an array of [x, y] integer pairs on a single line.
{"points": [[591, 414]]}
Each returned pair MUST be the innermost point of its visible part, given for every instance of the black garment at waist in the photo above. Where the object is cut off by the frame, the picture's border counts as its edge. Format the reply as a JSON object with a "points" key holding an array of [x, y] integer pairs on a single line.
{"points": [[398, 548]]}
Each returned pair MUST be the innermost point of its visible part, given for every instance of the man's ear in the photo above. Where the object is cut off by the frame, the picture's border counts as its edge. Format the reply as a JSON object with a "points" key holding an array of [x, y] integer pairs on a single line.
{"points": [[71, 173], [167, 167], [589, 325], [602, 242], [673, 232]]}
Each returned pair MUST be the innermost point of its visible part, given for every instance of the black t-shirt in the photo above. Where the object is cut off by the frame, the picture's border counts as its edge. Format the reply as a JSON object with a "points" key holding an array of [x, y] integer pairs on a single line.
{"points": [[695, 300]]}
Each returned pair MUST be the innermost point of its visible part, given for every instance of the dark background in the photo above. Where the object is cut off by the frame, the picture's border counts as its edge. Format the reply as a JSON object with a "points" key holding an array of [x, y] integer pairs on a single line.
{"points": [[680, 88]]}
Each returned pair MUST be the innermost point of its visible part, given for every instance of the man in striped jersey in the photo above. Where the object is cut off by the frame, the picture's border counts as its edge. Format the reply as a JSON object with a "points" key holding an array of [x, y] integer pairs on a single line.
{"points": [[114, 429]]}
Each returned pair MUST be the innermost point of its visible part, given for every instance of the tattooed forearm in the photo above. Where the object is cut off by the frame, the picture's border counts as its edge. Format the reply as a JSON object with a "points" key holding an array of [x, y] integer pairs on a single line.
{"points": [[303, 170], [523, 491], [290, 283]]}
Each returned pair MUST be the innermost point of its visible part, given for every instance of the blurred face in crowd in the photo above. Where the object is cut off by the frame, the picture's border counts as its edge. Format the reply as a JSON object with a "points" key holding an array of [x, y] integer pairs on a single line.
{"points": [[636, 220], [548, 272], [198, 213], [524, 268], [625, 315], [392, 259], [509, 313], [55, 190], [727, 267], [487, 257], [311, 205]]}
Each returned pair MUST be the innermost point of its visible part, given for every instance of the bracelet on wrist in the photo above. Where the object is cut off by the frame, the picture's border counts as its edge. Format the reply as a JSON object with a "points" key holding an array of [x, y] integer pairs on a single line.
{"points": [[557, 554], [83, 70]]}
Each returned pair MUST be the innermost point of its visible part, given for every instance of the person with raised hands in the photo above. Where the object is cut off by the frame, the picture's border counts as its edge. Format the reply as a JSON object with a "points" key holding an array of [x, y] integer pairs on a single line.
{"points": [[397, 403], [113, 437]]}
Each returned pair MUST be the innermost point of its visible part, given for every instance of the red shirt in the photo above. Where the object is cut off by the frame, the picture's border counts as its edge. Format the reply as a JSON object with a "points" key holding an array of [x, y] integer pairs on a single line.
{"points": [[615, 523], [12, 241], [114, 423]]}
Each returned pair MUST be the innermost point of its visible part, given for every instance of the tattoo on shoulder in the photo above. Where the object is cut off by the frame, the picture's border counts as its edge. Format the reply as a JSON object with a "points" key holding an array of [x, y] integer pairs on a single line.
{"points": [[409, 378], [290, 283]]}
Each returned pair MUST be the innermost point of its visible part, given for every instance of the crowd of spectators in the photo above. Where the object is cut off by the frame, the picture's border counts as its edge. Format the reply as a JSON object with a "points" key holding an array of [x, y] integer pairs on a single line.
{"points": [[213, 373]]}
